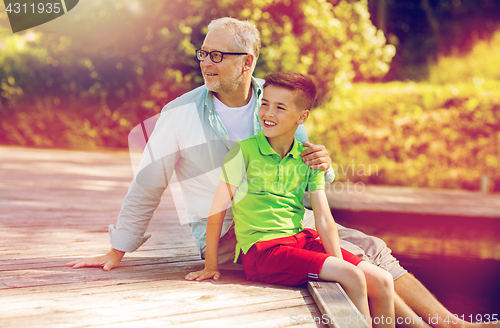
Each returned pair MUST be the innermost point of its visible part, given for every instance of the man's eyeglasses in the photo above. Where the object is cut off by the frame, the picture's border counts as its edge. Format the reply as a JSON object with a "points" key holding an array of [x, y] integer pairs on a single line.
{"points": [[216, 56]]}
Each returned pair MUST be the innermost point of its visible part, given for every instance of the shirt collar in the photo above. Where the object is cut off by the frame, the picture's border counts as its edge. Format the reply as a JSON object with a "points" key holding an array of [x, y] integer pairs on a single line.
{"points": [[214, 119], [266, 149], [257, 87], [258, 91], [209, 101], [294, 152]]}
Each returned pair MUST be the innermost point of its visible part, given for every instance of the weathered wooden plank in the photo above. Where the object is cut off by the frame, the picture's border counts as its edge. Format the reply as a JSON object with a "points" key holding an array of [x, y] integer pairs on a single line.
{"points": [[130, 260], [79, 244], [65, 275], [127, 280], [124, 282], [169, 289], [186, 311], [238, 317], [88, 250], [335, 305], [164, 298]]}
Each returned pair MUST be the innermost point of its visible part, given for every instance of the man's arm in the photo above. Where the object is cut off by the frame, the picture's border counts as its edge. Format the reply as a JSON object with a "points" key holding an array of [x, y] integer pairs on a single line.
{"points": [[325, 224], [128, 235], [222, 198], [143, 197], [316, 156]]}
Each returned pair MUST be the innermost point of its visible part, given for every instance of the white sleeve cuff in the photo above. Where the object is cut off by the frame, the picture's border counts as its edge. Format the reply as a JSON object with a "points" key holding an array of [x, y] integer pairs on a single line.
{"points": [[125, 241], [329, 175]]}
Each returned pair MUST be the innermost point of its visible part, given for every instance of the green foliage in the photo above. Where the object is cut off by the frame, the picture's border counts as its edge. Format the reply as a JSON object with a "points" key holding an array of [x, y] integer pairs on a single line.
{"points": [[19, 60], [108, 65], [130, 58], [49, 123], [418, 135], [480, 65], [424, 30], [335, 44]]}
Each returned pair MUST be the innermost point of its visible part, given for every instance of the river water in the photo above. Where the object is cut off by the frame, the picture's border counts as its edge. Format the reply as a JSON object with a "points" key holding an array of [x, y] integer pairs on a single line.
{"points": [[456, 258], [469, 288]]}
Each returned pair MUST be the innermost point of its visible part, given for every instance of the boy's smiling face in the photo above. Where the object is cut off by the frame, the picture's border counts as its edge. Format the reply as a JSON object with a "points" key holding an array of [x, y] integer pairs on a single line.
{"points": [[278, 113]]}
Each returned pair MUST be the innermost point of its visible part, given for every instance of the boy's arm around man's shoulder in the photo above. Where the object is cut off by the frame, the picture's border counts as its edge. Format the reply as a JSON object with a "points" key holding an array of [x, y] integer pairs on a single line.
{"points": [[231, 175]]}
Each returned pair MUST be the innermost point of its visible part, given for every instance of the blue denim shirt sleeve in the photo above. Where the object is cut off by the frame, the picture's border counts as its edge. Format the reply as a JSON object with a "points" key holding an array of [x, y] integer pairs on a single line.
{"points": [[301, 136]]}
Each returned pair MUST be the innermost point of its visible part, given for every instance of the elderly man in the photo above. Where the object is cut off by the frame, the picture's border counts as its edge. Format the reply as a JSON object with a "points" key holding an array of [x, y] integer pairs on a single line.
{"points": [[192, 136]]}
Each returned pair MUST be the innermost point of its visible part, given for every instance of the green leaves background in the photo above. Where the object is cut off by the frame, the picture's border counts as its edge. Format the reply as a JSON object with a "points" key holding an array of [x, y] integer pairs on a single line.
{"points": [[87, 78]]}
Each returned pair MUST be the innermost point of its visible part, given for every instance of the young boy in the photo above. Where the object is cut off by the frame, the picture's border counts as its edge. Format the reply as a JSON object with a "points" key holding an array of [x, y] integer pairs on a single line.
{"points": [[265, 178]]}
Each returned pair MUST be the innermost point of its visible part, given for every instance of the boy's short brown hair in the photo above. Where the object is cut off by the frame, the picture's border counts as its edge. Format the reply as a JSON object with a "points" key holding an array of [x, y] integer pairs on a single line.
{"points": [[302, 85]]}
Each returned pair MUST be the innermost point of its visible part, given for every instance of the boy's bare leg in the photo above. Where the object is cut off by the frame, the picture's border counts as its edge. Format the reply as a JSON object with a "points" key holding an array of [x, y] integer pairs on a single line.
{"points": [[424, 304], [380, 288], [352, 280]]}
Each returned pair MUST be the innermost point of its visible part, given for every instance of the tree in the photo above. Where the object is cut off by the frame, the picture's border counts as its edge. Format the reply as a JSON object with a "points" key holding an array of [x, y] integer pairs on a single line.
{"points": [[114, 64]]}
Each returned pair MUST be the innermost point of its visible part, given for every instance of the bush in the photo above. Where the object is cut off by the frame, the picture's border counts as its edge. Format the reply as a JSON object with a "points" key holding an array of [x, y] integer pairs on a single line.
{"points": [[480, 65], [408, 134], [84, 85]]}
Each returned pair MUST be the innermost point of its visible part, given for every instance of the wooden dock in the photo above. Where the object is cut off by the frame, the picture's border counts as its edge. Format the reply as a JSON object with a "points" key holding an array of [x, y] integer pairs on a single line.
{"points": [[56, 205]]}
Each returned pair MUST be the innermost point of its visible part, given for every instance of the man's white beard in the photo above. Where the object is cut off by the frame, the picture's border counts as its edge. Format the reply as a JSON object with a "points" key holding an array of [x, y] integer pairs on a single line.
{"points": [[223, 88]]}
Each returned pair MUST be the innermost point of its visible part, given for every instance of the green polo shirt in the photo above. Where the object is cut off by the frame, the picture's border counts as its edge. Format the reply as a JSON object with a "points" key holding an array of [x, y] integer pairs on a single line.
{"points": [[268, 202]]}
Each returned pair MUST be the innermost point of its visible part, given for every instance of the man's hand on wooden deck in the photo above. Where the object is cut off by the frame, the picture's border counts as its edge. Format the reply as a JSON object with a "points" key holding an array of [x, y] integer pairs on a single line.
{"points": [[108, 261], [203, 274]]}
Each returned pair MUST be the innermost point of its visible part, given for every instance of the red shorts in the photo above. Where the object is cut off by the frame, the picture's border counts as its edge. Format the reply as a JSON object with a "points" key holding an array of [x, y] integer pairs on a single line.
{"points": [[289, 260]]}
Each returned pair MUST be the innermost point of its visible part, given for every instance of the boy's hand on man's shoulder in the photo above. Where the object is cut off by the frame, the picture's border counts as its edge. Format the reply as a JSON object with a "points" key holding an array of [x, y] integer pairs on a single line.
{"points": [[203, 274], [316, 156]]}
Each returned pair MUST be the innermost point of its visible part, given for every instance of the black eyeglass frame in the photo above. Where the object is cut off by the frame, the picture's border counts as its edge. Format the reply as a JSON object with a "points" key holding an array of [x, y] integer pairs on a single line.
{"points": [[199, 53]]}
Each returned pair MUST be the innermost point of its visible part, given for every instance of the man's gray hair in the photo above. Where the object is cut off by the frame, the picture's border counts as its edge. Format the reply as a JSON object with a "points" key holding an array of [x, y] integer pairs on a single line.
{"points": [[246, 34]]}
